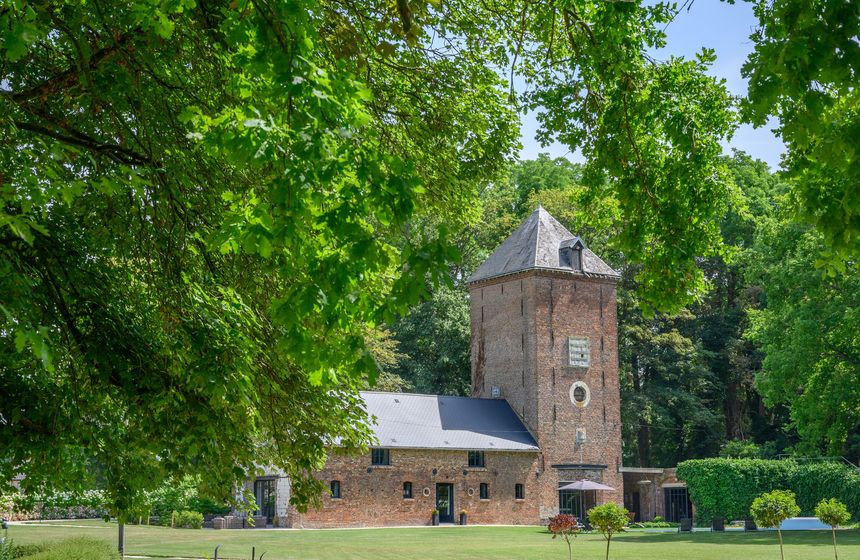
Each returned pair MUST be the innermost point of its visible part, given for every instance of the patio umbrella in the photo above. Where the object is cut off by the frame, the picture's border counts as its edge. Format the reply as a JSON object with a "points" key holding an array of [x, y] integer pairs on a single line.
{"points": [[582, 486]]}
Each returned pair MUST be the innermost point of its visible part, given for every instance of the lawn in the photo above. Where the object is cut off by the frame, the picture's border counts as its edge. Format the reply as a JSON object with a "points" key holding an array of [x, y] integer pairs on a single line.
{"points": [[487, 543]]}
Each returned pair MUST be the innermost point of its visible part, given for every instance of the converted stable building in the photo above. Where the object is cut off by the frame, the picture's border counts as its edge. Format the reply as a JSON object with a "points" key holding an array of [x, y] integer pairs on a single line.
{"points": [[544, 411]]}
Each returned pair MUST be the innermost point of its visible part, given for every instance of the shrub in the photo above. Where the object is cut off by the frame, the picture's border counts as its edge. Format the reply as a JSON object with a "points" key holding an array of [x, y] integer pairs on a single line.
{"points": [[81, 548], [608, 519], [727, 487], [566, 527], [654, 524], [772, 508], [187, 520], [834, 513], [24, 550], [61, 505], [181, 495], [740, 449]]}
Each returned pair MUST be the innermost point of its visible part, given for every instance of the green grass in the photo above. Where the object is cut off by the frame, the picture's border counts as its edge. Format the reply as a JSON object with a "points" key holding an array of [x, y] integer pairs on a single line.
{"points": [[450, 543]]}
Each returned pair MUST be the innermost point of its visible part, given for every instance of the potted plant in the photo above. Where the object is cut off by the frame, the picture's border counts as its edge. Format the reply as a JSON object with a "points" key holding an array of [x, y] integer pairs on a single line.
{"points": [[463, 513], [434, 517]]}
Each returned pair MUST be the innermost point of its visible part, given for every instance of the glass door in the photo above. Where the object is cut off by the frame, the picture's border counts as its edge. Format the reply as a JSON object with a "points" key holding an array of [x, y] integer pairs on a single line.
{"points": [[264, 493], [445, 502]]}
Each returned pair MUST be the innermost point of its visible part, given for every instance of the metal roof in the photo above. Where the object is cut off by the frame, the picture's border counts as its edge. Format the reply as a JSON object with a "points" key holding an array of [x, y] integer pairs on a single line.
{"points": [[404, 420], [535, 245]]}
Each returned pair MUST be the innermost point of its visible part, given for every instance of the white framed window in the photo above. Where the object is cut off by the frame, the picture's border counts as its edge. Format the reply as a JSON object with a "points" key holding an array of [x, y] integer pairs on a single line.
{"points": [[580, 355], [580, 396]]}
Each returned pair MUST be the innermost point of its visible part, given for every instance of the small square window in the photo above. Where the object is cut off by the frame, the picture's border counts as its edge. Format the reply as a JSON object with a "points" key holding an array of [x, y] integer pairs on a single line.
{"points": [[407, 490], [476, 459], [335, 489], [380, 457], [580, 356], [485, 491], [519, 492]]}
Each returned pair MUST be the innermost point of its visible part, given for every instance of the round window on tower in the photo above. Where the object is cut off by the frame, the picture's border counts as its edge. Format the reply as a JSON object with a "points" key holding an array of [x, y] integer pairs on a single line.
{"points": [[579, 394]]}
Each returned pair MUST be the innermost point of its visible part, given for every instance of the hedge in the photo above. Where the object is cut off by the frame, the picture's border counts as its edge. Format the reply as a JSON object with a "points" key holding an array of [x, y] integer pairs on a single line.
{"points": [[726, 487]]}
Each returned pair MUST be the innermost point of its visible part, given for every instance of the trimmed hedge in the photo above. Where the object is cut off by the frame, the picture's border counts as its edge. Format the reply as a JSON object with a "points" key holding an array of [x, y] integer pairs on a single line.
{"points": [[727, 487], [81, 548]]}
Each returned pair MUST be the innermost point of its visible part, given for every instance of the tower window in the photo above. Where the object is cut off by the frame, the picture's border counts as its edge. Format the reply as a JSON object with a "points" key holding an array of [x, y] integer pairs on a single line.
{"points": [[519, 492], [579, 394], [380, 457], [407, 490], [579, 352], [476, 459], [485, 491], [334, 486]]}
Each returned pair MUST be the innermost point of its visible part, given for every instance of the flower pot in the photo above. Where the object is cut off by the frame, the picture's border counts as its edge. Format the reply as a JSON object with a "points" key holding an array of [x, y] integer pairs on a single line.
{"points": [[462, 519], [435, 519]]}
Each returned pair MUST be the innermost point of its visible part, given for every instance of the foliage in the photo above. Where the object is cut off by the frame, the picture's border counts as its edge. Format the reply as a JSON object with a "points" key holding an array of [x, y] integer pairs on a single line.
{"points": [[181, 495], [740, 449], [58, 505], [727, 487], [79, 548], [187, 520], [566, 527], [803, 71], [832, 512], [219, 214], [772, 508], [808, 334], [608, 519], [25, 550], [687, 381], [655, 524], [667, 389], [769, 510], [7, 547], [649, 130], [434, 338]]}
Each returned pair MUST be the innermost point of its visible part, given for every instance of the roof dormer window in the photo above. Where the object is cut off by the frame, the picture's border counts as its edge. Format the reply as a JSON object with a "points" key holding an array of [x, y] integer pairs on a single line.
{"points": [[570, 254]]}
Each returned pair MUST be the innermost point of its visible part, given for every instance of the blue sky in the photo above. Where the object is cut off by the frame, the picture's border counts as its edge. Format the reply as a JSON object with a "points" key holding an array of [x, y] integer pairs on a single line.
{"points": [[709, 23]]}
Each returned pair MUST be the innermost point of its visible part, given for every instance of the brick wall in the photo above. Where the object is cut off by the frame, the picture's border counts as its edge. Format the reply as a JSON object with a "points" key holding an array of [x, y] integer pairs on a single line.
{"points": [[373, 495], [520, 329]]}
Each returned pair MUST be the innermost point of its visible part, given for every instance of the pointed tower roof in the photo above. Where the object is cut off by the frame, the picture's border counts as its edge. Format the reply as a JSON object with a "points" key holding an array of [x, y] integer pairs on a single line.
{"points": [[535, 245]]}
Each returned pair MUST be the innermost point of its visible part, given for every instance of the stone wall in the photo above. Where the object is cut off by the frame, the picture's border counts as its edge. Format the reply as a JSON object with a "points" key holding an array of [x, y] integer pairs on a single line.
{"points": [[373, 495]]}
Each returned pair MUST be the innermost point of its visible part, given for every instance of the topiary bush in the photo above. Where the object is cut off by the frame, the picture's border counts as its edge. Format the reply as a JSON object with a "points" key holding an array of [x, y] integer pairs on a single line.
{"points": [[727, 487]]}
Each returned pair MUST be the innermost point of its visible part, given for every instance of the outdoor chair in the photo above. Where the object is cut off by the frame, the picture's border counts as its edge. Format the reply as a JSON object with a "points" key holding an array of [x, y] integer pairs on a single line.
{"points": [[719, 524], [686, 525]]}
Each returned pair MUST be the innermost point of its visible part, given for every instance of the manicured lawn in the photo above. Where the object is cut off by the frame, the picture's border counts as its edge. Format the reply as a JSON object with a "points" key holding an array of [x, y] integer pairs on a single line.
{"points": [[487, 543]]}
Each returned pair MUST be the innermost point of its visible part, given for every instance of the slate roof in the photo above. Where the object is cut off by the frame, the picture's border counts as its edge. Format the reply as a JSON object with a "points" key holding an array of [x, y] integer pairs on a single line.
{"points": [[412, 421], [535, 245]]}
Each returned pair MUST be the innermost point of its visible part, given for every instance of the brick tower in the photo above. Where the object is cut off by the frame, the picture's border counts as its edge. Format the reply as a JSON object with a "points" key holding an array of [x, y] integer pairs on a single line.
{"points": [[545, 338]]}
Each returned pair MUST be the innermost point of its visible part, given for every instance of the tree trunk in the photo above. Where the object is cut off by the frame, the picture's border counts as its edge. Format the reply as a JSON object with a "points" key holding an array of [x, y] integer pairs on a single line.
{"points": [[643, 432], [781, 553], [608, 540], [835, 553]]}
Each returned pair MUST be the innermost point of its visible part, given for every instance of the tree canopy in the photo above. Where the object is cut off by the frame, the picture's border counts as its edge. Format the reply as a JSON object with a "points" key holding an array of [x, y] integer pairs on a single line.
{"points": [[210, 210]]}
